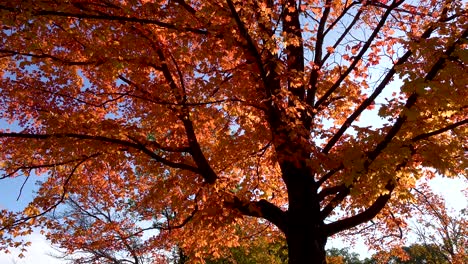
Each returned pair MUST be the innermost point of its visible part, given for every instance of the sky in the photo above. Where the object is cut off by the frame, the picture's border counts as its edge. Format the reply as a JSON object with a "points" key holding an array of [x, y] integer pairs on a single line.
{"points": [[38, 253]]}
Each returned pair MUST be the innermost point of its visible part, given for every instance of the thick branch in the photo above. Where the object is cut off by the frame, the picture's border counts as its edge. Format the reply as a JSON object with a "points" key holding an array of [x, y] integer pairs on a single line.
{"points": [[266, 70], [329, 174], [321, 35], [294, 51], [330, 191], [325, 212], [409, 103], [314, 75], [412, 99], [366, 103], [262, 209], [197, 154], [195, 150], [383, 199], [366, 215], [186, 6], [371, 156], [251, 47]]}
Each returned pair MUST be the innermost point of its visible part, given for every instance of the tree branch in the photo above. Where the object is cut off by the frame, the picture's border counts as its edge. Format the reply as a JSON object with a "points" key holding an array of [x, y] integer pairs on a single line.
{"points": [[412, 99], [181, 224], [294, 51], [320, 34], [371, 156], [197, 154], [345, 11], [366, 103], [108, 18], [186, 6], [261, 209], [366, 215], [48, 56], [52, 207], [359, 56], [369, 101], [383, 199], [251, 47], [343, 35], [314, 75], [325, 212], [138, 146], [439, 131], [330, 191]]}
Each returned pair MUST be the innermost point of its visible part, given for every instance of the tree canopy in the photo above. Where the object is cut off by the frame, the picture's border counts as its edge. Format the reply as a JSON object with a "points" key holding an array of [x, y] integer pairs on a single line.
{"points": [[216, 119]]}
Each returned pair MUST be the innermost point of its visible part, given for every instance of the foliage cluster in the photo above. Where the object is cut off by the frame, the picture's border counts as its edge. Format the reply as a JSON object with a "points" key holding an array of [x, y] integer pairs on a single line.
{"points": [[205, 117]]}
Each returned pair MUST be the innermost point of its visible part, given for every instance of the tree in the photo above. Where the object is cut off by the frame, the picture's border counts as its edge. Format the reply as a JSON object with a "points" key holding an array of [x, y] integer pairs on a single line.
{"points": [[259, 250], [423, 253], [213, 112], [438, 227], [342, 256], [89, 232], [413, 254], [441, 233]]}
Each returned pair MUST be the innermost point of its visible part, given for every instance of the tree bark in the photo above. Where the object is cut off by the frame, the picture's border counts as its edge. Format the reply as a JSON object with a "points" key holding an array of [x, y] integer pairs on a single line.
{"points": [[305, 231], [306, 245]]}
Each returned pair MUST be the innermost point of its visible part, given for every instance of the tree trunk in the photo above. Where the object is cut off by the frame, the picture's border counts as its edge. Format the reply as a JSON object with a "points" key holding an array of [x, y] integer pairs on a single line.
{"points": [[305, 232], [306, 248]]}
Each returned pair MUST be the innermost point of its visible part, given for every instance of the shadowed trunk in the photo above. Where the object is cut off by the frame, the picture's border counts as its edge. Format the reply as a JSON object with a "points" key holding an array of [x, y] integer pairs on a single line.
{"points": [[305, 232], [305, 245]]}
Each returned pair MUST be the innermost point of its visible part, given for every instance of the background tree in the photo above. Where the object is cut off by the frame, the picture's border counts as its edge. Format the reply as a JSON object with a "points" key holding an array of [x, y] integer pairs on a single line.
{"points": [[423, 253], [88, 231], [259, 250], [413, 254], [437, 226], [441, 234], [342, 256], [233, 109]]}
